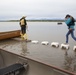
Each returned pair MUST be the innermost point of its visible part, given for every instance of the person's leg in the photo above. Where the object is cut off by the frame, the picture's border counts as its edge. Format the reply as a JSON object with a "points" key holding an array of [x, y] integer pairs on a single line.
{"points": [[67, 36], [72, 34], [22, 29], [22, 33]]}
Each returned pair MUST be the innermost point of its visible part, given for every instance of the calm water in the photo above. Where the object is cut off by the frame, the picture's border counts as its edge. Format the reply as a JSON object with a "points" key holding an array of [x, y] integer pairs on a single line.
{"points": [[43, 31]]}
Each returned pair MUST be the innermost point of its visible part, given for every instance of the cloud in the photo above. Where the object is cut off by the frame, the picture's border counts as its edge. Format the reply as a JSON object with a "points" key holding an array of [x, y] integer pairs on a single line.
{"points": [[37, 8]]}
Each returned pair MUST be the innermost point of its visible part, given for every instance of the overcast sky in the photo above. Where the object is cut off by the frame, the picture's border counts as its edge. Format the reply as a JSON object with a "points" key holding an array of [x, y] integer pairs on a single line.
{"points": [[15, 9]]}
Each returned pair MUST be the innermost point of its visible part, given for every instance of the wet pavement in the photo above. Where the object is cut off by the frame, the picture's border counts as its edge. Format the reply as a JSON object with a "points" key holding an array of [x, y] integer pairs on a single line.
{"points": [[58, 57]]}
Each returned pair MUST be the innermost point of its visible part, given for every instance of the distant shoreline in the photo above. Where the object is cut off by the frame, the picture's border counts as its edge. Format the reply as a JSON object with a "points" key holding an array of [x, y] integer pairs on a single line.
{"points": [[33, 20]]}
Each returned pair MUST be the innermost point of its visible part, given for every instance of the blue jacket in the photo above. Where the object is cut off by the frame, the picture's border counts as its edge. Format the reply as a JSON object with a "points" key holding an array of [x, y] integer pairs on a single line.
{"points": [[70, 23]]}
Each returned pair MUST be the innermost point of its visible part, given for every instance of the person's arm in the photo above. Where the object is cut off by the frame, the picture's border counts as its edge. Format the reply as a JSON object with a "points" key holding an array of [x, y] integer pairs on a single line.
{"points": [[25, 21], [26, 24], [67, 21], [20, 22]]}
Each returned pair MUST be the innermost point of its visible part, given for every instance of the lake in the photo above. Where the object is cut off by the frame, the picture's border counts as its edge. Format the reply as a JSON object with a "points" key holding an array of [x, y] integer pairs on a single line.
{"points": [[42, 31]]}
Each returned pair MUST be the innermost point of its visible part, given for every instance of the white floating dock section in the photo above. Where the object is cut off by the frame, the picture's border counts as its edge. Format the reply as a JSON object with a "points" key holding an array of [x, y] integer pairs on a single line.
{"points": [[35, 41], [44, 42], [74, 48], [55, 44], [65, 46]]}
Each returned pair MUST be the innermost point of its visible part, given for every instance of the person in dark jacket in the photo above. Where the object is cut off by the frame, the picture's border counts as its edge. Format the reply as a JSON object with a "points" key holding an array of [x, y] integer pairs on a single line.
{"points": [[70, 22], [23, 26]]}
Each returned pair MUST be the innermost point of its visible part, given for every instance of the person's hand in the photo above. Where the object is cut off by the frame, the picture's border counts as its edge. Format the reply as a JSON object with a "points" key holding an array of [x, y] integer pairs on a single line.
{"points": [[70, 29]]}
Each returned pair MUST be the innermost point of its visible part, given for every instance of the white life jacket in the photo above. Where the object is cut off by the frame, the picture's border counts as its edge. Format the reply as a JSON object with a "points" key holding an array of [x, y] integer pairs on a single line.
{"points": [[22, 22]]}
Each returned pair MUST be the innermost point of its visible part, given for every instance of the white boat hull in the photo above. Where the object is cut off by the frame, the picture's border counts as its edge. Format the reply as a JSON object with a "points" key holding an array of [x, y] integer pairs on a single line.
{"points": [[35, 68]]}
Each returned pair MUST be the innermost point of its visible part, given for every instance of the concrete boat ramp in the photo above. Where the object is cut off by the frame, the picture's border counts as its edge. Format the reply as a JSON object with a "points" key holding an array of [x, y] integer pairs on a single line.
{"points": [[40, 60]]}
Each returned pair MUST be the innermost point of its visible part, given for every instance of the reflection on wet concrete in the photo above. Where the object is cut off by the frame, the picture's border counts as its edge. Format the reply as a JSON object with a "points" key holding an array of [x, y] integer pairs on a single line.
{"points": [[14, 45], [70, 61], [24, 50]]}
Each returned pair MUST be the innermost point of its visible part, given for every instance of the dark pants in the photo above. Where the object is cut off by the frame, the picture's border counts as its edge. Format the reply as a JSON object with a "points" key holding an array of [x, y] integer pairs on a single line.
{"points": [[72, 34], [23, 29]]}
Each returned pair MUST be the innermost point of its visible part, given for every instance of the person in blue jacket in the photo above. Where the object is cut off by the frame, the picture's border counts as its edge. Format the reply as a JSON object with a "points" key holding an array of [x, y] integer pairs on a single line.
{"points": [[70, 22]]}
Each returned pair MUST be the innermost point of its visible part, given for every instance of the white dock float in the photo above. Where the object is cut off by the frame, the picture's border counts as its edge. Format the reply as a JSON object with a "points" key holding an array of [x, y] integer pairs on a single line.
{"points": [[44, 42], [35, 41], [74, 48], [65, 46], [55, 44]]}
